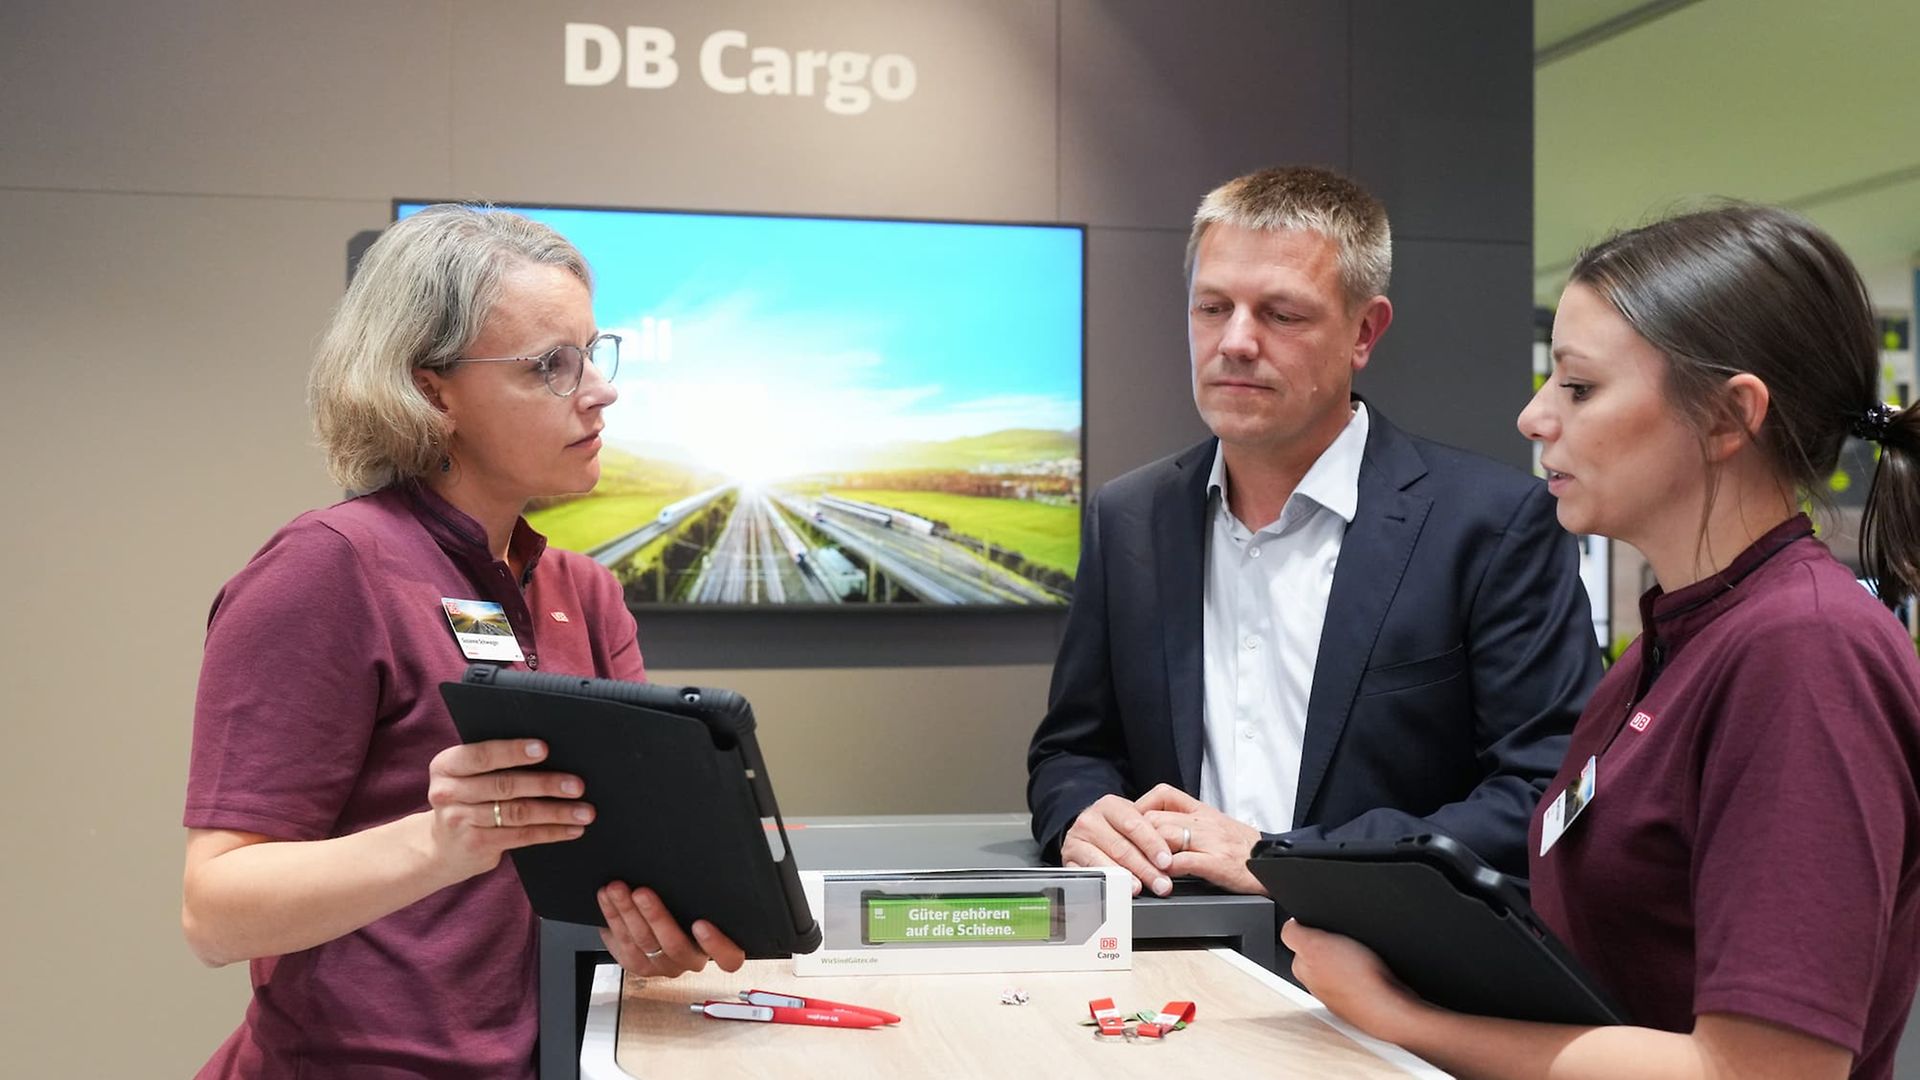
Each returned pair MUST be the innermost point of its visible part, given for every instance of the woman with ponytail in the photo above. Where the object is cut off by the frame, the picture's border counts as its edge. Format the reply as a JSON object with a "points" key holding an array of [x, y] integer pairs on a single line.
{"points": [[1744, 873]]}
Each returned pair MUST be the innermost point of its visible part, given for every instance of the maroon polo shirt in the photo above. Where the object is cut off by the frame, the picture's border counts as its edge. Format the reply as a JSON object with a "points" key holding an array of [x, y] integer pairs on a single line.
{"points": [[318, 711], [1753, 841]]}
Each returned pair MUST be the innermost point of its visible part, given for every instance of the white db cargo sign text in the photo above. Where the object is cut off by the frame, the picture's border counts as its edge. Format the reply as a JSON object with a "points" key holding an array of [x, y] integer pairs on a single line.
{"points": [[846, 82]]}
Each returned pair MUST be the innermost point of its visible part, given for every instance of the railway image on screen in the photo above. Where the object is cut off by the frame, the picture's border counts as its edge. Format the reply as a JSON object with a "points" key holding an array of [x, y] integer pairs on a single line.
{"points": [[832, 411]]}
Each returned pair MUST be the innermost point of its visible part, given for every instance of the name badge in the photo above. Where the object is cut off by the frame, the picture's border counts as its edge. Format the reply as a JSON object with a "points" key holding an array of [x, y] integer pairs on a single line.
{"points": [[482, 629], [1565, 809]]}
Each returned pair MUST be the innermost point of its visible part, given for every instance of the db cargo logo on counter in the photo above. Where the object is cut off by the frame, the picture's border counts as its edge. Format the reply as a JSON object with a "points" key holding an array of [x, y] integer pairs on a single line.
{"points": [[846, 82]]}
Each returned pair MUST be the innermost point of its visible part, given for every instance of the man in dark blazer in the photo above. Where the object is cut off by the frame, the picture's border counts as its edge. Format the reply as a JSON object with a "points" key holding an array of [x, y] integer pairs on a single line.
{"points": [[1408, 657]]}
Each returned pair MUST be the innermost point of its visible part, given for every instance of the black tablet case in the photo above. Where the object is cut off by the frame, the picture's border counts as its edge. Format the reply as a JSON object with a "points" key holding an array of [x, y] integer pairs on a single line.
{"points": [[682, 803], [1456, 931]]}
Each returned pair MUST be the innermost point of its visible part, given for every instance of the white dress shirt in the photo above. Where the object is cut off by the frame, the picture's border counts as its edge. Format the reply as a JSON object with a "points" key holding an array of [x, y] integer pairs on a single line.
{"points": [[1266, 600]]}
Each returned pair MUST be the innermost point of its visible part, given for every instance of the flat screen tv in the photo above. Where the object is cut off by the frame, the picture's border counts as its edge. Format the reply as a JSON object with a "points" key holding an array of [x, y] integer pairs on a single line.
{"points": [[830, 411]]}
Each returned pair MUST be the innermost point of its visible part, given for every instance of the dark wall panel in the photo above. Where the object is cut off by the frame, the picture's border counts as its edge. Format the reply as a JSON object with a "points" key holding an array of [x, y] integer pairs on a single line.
{"points": [[1160, 102], [1454, 364], [1139, 378], [879, 638], [1443, 117]]}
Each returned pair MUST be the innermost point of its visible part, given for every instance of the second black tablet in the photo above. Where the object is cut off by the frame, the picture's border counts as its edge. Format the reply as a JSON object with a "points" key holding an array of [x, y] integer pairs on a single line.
{"points": [[681, 799], [1456, 931]]}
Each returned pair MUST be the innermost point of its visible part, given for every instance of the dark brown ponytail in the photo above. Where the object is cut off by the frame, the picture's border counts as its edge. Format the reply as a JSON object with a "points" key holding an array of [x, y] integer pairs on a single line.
{"points": [[1890, 524]]}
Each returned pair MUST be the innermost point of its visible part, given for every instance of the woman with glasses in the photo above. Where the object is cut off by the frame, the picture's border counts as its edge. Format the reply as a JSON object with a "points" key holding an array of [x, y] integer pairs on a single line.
{"points": [[340, 837], [1743, 871]]}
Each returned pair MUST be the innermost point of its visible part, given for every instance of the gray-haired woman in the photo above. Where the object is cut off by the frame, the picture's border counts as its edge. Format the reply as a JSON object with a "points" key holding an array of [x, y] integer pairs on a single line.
{"points": [[340, 836]]}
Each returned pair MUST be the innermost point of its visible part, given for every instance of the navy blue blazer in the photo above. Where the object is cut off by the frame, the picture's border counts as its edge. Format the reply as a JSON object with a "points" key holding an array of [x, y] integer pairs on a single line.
{"points": [[1457, 652]]}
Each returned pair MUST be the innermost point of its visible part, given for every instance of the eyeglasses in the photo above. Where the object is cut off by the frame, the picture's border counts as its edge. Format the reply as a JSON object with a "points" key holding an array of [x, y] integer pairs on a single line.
{"points": [[564, 365]]}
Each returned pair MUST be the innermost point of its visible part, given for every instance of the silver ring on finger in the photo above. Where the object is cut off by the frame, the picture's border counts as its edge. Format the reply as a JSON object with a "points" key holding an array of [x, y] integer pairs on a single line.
{"points": [[653, 955], [497, 822], [1186, 838]]}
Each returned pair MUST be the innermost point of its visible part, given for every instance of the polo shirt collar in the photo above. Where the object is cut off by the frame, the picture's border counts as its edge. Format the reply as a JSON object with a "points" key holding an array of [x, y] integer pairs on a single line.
{"points": [[1332, 482], [461, 537], [1670, 618]]}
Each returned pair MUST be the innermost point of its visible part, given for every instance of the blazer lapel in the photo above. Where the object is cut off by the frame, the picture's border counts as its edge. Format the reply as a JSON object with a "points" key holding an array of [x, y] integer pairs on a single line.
{"points": [[1373, 557], [1180, 560]]}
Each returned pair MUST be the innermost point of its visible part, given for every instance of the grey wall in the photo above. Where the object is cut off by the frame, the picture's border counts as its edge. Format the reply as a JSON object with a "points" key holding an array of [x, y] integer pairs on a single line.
{"points": [[177, 185]]}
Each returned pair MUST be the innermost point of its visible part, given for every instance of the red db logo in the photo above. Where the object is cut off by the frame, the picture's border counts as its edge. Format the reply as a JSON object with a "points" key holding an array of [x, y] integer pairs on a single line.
{"points": [[1109, 943], [1640, 721]]}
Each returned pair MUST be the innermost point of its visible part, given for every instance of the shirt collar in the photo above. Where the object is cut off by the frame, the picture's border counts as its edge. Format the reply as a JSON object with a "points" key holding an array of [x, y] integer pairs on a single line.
{"points": [[462, 537], [1333, 481], [1670, 618]]}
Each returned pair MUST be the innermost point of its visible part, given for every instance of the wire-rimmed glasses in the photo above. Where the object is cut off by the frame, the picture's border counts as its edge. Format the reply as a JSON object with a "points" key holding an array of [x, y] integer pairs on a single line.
{"points": [[564, 365]]}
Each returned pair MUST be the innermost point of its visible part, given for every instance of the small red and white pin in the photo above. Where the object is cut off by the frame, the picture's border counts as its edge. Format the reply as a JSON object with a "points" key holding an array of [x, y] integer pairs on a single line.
{"points": [[1113, 1026], [1173, 1016]]}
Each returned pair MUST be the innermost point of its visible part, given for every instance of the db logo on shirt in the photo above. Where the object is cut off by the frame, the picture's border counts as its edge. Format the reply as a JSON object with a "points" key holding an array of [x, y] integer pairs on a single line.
{"points": [[1640, 721]]}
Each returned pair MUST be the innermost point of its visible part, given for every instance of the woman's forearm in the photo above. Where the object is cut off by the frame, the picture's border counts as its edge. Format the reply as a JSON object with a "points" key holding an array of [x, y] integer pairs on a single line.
{"points": [[1720, 1047], [1484, 1048], [247, 898]]}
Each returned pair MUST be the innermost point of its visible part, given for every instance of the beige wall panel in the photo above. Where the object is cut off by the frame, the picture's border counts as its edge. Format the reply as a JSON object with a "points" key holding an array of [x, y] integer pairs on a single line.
{"points": [[270, 97], [155, 431], [942, 740], [975, 139]]}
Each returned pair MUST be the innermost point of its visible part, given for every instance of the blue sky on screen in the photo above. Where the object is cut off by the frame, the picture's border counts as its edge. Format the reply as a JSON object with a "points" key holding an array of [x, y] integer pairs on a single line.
{"points": [[798, 344]]}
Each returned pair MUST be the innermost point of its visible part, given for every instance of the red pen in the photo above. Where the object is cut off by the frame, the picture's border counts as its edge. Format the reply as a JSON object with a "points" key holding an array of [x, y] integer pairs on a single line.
{"points": [[769, 1014], [788, 1001]]}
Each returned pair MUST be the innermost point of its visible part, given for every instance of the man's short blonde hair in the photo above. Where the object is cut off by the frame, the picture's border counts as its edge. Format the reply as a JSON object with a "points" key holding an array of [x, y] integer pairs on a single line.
{"points": [[420, 297], [1307, 198]]}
